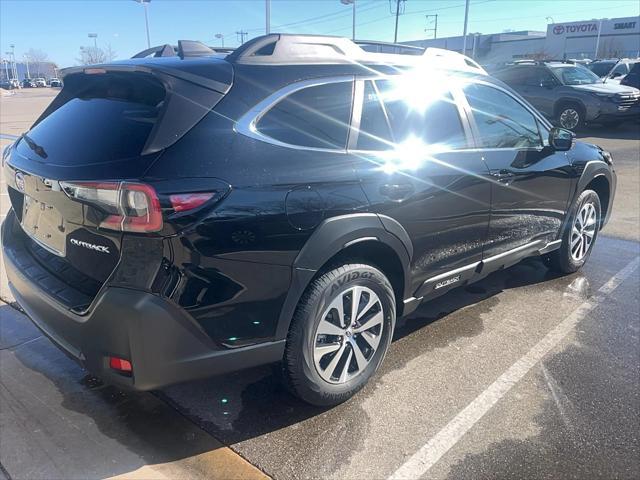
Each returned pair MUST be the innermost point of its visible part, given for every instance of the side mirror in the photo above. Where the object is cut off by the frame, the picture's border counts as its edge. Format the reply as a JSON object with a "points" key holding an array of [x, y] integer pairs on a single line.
{"points": [[561, 139]]}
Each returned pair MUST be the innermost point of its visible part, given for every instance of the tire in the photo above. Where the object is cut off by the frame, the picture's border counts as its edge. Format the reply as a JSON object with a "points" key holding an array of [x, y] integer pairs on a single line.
{"points": [[570, 116], [565, 259], [310, 368]]}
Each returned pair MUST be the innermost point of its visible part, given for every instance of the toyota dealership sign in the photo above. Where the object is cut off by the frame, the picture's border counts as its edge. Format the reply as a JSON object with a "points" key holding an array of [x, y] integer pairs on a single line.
{"points": [[563, 29], [613, 27]]}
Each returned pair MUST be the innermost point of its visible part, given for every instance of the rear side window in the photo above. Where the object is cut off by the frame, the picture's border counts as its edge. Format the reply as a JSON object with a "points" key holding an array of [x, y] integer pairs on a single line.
{"points": [[315, 117], [437, 122], [501, 120]]}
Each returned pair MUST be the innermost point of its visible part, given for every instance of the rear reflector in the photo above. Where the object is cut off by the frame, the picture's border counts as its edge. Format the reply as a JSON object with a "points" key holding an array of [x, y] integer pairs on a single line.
{"points": [[182, 202], [120, 364], [129, 207]]}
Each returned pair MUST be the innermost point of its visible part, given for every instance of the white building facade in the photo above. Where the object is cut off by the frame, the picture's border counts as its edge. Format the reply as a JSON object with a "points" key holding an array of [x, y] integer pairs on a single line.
{"points": [[613, 38]]}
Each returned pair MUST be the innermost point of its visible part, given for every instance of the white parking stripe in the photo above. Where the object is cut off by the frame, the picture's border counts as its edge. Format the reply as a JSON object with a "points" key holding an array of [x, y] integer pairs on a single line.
{"points": [[420, 462]]}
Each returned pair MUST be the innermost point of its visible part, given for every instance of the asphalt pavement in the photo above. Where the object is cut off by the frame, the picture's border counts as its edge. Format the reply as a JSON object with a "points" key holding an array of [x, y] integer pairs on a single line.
{"points": [[526, 374]]}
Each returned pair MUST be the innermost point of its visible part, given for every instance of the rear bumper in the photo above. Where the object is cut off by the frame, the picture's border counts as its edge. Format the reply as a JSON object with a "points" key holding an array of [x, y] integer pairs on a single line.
{"points": [[162, 342]]}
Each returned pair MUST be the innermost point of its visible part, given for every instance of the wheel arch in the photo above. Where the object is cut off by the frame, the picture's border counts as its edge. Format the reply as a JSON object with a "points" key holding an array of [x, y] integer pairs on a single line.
{"points": [[594, 174], [568, 101], [369, 237], [601, 185]]}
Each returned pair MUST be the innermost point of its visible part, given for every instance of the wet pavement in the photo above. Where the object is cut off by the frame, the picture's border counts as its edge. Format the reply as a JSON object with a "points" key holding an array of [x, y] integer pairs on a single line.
{"points": [[444, 356], [573, 414]]}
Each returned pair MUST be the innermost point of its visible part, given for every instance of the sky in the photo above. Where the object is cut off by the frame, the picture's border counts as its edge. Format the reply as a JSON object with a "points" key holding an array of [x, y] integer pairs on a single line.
{"points": [[60, 27]]}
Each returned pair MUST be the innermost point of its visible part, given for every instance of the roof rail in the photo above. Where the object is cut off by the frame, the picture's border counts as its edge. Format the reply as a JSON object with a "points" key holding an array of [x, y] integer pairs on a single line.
{"points": [[375, 46], [185, 49], [288, 49], [165, 50]]}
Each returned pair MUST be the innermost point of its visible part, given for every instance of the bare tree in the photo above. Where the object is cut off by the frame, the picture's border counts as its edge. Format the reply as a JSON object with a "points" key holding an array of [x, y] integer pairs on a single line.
{"points": [[110, 53], [37, 60], [91, 55]]}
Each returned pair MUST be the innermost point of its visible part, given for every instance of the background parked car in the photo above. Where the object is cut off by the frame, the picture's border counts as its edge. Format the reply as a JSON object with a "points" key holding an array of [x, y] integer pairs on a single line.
{"points": [[622, 68], [632, 79], [602, 68], [55, 82], [6, 85], [570, 94], [28, 83], [40, 82]]}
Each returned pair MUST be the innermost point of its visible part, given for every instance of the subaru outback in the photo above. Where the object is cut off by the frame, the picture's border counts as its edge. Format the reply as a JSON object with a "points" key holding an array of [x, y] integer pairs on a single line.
{"points": [[185, 213]]}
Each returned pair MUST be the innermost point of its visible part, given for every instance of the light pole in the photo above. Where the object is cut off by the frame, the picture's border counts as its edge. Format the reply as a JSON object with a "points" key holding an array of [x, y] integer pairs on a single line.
{"points": [[353, 16], [464, 32], [26, 59], [475, 40], [95, 39], [6, 68], [145, 4], [13, 57], [267, 16], [221, 37], [598, 39]]}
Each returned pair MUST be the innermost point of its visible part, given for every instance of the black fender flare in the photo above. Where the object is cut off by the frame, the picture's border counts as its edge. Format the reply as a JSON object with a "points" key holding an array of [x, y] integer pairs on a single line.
{"points": [[332, 236], [591, 170]]}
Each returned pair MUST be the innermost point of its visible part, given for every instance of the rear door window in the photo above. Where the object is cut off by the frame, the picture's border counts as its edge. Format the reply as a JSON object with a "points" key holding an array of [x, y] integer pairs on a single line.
{"points": [[374, 129], [434, 121], [316, 117], [502, 121]]}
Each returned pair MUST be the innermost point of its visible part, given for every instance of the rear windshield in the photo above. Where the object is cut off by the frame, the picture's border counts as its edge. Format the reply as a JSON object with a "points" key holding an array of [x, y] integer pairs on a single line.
{"points": [[107, 119], [601, 68]]}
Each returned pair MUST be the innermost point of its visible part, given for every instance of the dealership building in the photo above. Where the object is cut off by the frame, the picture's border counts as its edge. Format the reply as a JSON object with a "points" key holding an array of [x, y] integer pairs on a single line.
{"points": [[613, 38]]}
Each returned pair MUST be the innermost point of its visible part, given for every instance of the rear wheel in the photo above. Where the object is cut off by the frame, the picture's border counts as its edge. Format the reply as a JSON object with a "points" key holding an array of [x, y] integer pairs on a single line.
{"points": [[579, 236], [570, 116], [339, 335]]}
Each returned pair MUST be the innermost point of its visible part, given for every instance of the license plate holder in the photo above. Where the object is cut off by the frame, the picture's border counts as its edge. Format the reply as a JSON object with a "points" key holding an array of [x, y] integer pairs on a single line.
{"points": [[44, 224]]}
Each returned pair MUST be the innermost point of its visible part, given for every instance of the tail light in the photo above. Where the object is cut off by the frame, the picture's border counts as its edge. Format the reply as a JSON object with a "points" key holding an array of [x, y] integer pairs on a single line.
{"points": [[129, 207], [121, 365], [182, 202]]}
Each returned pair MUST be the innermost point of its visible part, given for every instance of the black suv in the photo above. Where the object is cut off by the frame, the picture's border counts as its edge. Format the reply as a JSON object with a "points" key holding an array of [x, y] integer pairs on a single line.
{"points": [[570, 94], [186, 215]]}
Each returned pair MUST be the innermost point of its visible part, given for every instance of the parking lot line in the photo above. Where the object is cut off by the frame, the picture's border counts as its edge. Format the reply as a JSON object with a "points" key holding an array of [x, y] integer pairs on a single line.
{"points": [[420, 462]]}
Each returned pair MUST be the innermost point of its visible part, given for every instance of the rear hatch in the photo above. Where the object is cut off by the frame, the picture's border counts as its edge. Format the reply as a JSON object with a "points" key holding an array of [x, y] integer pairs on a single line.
{"points": [[73, 178]]}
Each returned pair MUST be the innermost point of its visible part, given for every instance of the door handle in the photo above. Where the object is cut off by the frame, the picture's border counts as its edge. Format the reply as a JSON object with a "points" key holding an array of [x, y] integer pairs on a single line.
{"points": [[504, 175], [397, 191]]}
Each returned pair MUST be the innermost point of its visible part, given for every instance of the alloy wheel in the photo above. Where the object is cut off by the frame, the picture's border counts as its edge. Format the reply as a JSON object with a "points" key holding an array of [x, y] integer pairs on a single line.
{"points": [[569, 118], [348, 335], [583, 231]]}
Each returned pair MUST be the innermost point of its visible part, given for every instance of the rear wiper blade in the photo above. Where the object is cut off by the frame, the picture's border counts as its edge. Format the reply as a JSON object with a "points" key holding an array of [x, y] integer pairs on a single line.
{"points": [[34, 146]]}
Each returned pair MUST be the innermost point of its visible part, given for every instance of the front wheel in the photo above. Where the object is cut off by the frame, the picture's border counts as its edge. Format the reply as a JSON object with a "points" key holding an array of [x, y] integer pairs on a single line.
{"points": [[579, 236], [570, 117], [339, 334]]}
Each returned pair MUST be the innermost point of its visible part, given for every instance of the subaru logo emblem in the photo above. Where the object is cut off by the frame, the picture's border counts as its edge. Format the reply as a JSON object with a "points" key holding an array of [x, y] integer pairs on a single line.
{"points": [[20, 181]]}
